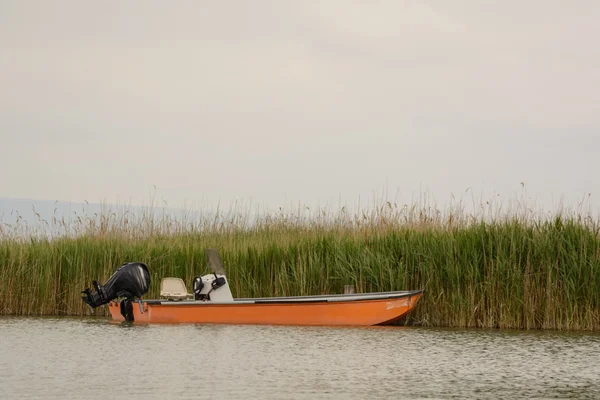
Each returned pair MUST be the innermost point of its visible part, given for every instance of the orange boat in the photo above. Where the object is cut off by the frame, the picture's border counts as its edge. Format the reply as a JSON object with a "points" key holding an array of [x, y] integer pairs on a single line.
{"points": [[212, 302], [352, 309]]}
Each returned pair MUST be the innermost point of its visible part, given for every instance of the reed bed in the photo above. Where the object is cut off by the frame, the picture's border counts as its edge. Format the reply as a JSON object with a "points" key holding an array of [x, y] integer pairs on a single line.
{"points": [[512, 270]]}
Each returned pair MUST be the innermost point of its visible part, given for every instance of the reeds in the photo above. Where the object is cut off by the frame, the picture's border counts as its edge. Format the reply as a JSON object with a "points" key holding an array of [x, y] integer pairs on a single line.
{"points": [[512, 270]]}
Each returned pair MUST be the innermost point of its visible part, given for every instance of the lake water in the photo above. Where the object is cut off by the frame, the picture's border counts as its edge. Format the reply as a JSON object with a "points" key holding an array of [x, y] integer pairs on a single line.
{"points": [[60, 358]]}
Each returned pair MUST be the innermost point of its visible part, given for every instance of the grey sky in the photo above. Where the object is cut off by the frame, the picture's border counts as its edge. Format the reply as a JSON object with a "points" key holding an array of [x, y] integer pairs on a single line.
{"points": [[298, 101]]}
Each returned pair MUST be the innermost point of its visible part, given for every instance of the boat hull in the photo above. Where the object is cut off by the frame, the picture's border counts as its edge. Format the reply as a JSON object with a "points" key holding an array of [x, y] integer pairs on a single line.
{"points": [[352, 310]]}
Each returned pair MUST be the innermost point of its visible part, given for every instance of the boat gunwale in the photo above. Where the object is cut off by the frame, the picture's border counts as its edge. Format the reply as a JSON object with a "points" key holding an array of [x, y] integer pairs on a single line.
{"points": [[317, 299]]}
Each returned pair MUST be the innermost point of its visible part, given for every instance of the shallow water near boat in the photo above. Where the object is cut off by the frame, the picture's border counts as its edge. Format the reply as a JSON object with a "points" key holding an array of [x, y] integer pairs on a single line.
{"points": [[92, 358]]}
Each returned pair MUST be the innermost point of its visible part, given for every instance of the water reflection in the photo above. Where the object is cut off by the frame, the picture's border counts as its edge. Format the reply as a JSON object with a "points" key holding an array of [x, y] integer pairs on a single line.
{"points": [[91, 358]]}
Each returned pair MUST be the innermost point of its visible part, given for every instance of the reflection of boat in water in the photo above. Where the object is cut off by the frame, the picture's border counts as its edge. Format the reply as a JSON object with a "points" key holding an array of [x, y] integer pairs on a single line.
{"points": [[212, 302]]}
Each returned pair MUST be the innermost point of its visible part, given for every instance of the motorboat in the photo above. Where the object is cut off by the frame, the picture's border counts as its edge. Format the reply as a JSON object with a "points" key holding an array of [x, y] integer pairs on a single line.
{"points": [[211, 302]]}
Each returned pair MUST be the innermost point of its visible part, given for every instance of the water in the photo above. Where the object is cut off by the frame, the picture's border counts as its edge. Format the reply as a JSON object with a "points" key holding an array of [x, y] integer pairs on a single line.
{"points": [[61, 358]]}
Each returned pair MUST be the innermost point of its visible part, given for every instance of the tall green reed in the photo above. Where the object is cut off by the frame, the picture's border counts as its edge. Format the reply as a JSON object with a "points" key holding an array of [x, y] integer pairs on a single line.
{"points": [[516, 270]]}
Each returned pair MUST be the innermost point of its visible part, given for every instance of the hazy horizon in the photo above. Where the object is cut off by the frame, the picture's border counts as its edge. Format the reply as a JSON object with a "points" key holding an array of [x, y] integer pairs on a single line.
{"points": [[279, 103]]}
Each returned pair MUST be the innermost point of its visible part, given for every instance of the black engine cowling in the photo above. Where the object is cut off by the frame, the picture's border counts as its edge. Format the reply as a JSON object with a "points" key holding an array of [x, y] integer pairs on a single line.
{"points": [[129, 281]]}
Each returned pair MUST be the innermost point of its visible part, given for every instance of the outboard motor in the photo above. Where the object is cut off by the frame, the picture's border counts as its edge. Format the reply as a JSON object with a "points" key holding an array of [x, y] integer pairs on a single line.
{"points": [[129, 281]]}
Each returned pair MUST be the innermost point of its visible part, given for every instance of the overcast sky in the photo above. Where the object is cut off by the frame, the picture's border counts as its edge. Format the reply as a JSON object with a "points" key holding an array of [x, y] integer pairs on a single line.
{"points": [[298, 101]]}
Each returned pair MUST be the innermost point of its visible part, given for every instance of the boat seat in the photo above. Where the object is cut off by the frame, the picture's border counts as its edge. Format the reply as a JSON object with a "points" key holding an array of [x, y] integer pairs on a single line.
{"points": [[174, 289]]}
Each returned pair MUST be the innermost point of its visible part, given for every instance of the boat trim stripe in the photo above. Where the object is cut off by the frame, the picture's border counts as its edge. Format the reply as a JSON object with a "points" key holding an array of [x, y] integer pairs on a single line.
{"points": [[294, 299]]}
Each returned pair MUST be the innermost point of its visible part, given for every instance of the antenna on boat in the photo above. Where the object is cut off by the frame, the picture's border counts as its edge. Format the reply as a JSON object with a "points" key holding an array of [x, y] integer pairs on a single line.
{"points": [[214, 262]]}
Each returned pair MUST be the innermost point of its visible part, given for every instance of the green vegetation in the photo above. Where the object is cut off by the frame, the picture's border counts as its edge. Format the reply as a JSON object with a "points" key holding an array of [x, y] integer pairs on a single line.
{"points": [[506, 272]]}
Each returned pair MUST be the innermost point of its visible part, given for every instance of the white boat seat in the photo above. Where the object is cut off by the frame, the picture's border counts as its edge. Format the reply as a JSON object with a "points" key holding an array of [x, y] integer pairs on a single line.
{"points": [[174, 289]]}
